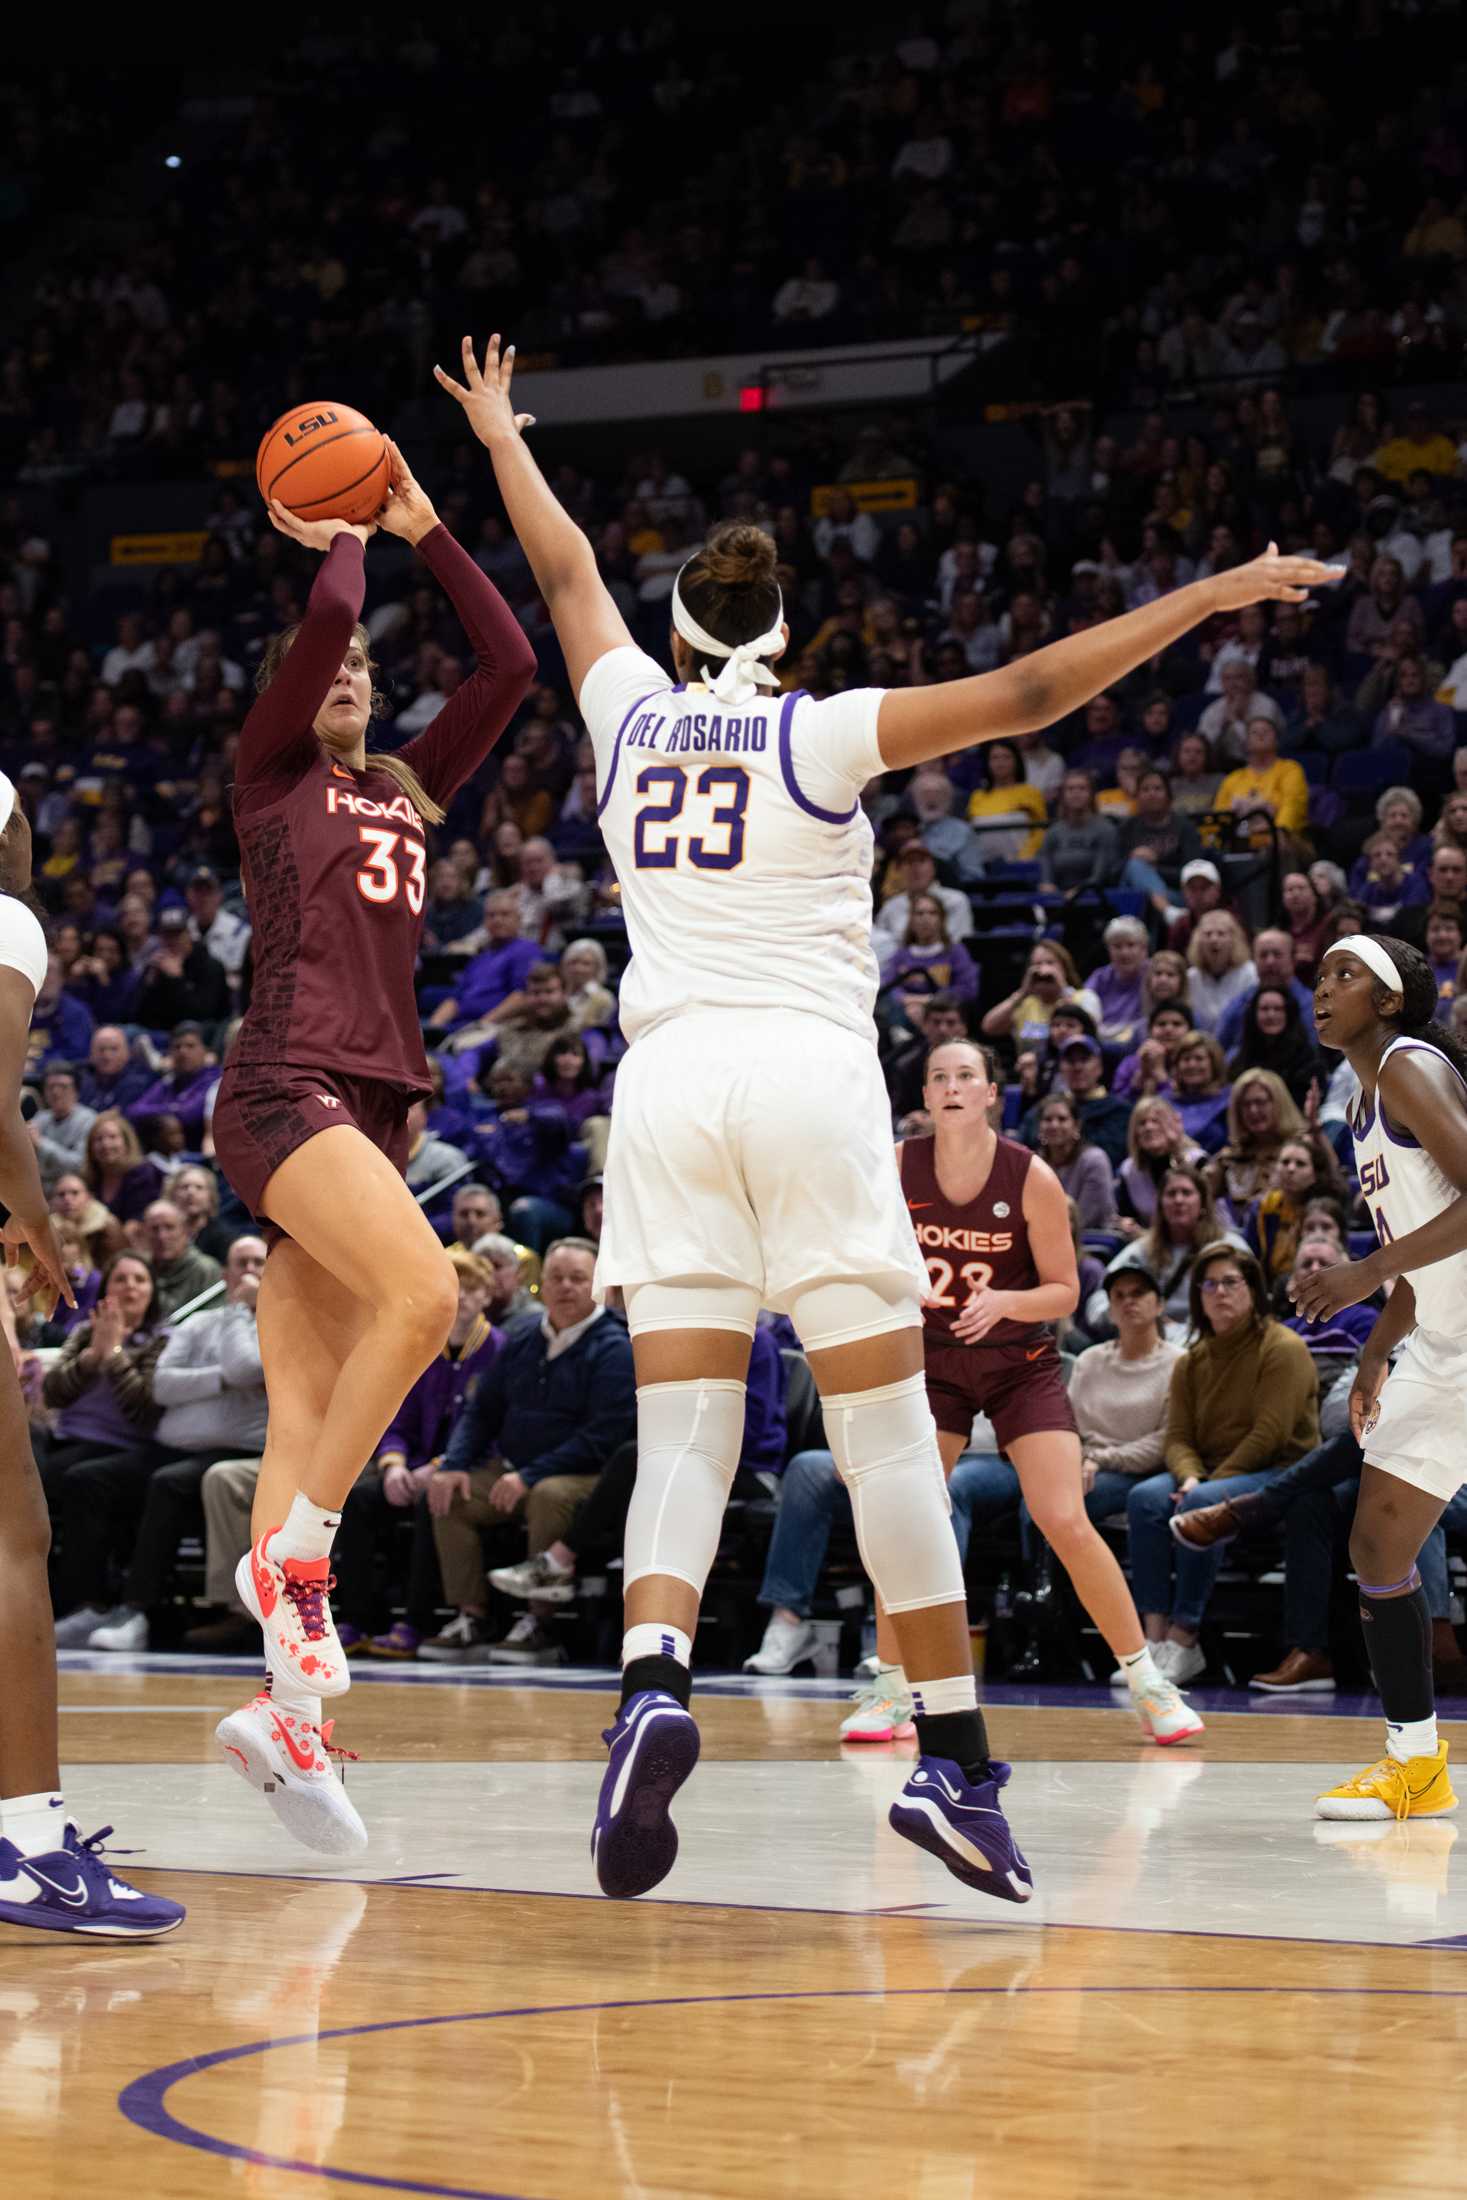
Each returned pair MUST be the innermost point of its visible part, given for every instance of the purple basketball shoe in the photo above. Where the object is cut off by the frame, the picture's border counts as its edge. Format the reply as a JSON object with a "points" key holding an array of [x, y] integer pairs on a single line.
{"points": [[960, 1823], [654, 1746], [79, 1894]]}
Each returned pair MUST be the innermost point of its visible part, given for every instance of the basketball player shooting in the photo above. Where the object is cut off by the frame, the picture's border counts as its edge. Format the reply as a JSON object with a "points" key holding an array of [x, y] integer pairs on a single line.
{"points": [[750, 1160], [1375, 999]]}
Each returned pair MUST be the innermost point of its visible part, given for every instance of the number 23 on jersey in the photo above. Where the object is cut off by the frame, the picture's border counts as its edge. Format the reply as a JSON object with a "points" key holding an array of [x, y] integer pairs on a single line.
{"points": [[714, 829]]}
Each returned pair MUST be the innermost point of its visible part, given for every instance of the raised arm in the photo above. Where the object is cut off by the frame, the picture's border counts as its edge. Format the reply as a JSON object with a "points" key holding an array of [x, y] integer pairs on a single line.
{"points": [[451, 749], [919, 723], [587, 622], [286, 712]]}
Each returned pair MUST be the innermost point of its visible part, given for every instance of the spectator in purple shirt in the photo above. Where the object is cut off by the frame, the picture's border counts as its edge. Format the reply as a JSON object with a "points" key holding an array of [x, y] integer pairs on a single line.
{"points": [[1120, 984], [926, 960], [1427, 727], [61, 1027], [112, 1079], [522, 1147], [570, 1081], [392, 1488], [103, 981], [491, 986], [184, 1088], [115, 1171], [1082, 1169]]}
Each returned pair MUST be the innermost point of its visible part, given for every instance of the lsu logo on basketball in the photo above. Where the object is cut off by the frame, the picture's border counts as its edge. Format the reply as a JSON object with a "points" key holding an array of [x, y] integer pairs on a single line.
{"points": [[303, 428], [943, 1237]]}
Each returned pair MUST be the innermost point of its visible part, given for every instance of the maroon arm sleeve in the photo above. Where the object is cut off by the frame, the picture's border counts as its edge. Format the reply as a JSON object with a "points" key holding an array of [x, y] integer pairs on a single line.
{"points": [[282, 717], [451, 749]]}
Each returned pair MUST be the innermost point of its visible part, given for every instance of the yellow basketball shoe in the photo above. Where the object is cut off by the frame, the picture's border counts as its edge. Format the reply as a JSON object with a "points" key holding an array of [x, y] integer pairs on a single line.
{"points": [[1420, 1788]]}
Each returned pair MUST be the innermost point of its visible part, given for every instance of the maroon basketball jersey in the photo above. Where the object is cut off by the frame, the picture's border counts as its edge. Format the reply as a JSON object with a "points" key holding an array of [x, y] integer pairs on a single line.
{"points": [[334, 860], [965, 1248]]}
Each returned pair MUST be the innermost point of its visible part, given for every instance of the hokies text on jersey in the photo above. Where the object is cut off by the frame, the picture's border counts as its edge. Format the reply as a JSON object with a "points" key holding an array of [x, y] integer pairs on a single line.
{"points": [[945, 1237], [362, 805]]}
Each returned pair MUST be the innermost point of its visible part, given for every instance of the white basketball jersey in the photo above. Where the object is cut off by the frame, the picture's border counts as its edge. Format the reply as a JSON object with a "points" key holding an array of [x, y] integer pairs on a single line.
{"points": [[1404, 1188], [739, 842], [22, 942]]}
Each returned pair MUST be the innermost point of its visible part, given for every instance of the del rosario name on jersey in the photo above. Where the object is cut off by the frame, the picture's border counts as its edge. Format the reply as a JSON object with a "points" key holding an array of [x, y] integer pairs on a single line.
{"points": [[698, 731]]}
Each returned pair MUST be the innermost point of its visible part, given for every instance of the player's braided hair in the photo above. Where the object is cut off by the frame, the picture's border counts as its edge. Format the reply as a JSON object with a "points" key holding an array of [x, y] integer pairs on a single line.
{"points": [[729, 585], [378, 760], [1416, 1017]]}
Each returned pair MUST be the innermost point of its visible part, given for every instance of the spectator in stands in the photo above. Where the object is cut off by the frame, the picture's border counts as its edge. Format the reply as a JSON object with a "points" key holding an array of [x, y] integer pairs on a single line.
{"points": [[181, 981], [1260, 1117], [1305, 914], [533, 1436], [1200, 1091], [1447, 878], [59, 1129], [1222, 971], [1148, 1068], [1184, 1221], [194, 1191], [1373, 614], [1399, 812], [1119, 1393], [1082, 1168], [1080, 849], [112, 1080], [395, 1484], [1119, 984], [78, 1209], [1103, 1119], [942, 1018], [430, 1158], [917, 872], [1274, 1038], [1414, 717], [1383, 882], [211, 1388], [1275, 1221], [115, 1170], [452, 916], [101, 980], [180, 1271], [597, 1527], [1049, 979], [101, 1392], [1445, 941], [1157, 839], [932, 797], [1194, 781], [1224, 724], [61, 1028], [1007, 798], [1242, 1405], [1273, 962], [1201, 893], [583, 971], [185, 1086], [223, 932], [1155, 1140], [510, 1295], [1266, 781], [476, 1213], [925, 960], [492, 984]]}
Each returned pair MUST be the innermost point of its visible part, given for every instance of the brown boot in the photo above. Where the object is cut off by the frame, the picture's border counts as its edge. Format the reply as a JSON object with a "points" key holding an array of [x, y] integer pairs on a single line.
{"points": [[1301, 1673], [1207, 1527]]}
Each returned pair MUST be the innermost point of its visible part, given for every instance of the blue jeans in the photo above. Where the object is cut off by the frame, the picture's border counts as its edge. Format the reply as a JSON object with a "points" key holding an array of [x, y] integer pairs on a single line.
{"points": [[536, 1222], [1142, 877], [1165, 1576], [812, 1497]]}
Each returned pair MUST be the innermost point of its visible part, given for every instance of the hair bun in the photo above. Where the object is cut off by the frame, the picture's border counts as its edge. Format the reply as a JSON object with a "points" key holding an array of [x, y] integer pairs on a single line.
{"points": [[739, 555]]}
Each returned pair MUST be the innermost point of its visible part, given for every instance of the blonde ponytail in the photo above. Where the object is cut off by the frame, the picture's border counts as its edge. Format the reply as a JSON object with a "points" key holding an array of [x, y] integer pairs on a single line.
{"points": [[380, 760]]}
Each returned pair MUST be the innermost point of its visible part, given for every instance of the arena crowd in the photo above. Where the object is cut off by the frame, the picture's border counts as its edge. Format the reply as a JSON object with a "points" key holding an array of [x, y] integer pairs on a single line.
{"points": [[1129, 910]]}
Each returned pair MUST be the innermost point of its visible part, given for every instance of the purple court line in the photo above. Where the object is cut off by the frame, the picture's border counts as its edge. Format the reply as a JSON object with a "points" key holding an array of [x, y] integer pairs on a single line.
{"points": [[983, 1922], [145, 2101]]}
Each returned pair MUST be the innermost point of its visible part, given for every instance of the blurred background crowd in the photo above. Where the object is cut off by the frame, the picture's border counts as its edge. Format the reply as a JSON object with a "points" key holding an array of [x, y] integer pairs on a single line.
{"points": [[1205, 295]]}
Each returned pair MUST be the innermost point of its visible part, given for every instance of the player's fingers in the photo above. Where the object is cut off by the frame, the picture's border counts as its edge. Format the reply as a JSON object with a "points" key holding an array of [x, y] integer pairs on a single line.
{"points": [[454, 389], [473, 374], [523, 421]]}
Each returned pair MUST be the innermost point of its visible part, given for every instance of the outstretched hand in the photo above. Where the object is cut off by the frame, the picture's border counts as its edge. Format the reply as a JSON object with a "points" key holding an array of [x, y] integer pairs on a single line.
{"points": [[316, 534], [408, 511], [1272, 579], [49, 1280], [484, 394]]}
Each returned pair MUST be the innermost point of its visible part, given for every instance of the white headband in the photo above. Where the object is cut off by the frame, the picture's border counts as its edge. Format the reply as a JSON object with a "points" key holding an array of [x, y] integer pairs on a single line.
{"points": [[7, 801], [743, 674], [1373, 955]]}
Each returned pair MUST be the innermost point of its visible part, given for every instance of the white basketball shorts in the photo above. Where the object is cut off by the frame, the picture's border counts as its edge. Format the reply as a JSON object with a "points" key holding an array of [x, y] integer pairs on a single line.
{"points": [[757, 1148], [1419, 1433]]}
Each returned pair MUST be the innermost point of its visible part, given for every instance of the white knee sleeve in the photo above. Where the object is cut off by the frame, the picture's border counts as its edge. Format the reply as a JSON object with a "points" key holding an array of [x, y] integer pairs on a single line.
{"points": [[691, 1302], [852, 1308], [885, 1447], [689, 1436]]}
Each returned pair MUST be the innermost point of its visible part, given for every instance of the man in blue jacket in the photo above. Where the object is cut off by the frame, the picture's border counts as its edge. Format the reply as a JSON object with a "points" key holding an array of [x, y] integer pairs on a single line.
{"points": [[529, 1444]]}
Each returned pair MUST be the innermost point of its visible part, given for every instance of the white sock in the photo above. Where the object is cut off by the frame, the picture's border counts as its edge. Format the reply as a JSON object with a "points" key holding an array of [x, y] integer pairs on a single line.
{"points": [[35, 1824], [288, 1696], [308, 1532], [1140, 1668], [1412, 1738], [652, 1640], [931, 1699]]}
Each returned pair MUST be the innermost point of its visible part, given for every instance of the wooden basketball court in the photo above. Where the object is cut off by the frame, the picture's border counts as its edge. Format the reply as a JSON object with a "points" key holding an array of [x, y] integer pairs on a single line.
{"points": [[1213, 1994]]}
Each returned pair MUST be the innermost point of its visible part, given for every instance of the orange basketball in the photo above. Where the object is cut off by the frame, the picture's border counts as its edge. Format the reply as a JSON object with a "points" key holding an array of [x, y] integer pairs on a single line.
{"points": [[325, 462]]}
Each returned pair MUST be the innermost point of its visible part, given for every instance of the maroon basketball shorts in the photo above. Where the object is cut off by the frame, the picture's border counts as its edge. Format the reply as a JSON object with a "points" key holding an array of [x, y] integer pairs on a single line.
{"points": [[266, 1110], [1020, 1387]]}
